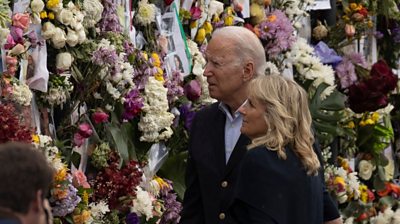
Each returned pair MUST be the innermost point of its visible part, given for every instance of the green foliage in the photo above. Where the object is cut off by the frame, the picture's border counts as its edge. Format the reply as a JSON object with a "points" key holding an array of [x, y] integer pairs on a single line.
{"points": [[174, 170]]}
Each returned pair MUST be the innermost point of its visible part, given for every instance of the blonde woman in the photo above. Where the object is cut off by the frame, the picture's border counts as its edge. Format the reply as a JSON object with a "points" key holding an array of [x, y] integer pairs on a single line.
{"points": [[279, 181]]}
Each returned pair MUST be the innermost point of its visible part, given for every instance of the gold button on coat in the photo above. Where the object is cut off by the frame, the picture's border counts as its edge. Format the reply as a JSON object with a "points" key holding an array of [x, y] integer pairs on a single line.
{"points": [[221, 216], [224, 184]]}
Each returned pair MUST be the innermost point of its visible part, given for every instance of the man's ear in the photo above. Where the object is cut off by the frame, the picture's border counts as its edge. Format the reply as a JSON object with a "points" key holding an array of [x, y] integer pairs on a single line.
{"points": [[248, 71], [37, 203]]}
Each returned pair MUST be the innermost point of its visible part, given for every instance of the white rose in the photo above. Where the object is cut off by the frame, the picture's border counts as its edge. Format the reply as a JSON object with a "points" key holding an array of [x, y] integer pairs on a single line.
{"points": [[65, 16], [64, 61], [76, 25], [72, 38], [365, 168], [37, 6], [3, 35], [58, 38], [48, 30], [81, 36]]}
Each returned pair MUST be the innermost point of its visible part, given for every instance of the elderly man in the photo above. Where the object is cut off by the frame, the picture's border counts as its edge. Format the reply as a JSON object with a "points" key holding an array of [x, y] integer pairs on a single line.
{"points": [[234, 57], [25, 180]]}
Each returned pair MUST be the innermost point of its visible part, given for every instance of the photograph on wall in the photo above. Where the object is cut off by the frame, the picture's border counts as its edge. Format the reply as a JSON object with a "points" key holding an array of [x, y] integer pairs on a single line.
{"points": [[178, 57]]}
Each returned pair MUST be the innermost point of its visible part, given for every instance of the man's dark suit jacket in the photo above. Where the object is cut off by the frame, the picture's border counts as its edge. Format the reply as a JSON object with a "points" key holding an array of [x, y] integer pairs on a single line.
{"points": [[277, 191], [210, 182]]}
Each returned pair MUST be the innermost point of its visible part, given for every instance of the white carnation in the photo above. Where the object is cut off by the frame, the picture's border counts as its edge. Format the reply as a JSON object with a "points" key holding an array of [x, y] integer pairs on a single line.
{"points": [[143, 204], [64, 61], [21, 94], [37, 6]]}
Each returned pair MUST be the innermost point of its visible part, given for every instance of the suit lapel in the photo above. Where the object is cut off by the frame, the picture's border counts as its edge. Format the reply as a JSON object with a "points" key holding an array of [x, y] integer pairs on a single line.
{"points": [[238, 152]]}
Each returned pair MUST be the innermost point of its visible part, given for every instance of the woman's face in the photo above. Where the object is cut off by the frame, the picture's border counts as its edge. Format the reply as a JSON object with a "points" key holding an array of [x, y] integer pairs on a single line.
{"points": [[254, 124]]}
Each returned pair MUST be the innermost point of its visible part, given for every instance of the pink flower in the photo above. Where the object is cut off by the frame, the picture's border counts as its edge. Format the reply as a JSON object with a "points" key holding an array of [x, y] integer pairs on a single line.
{"points": [[10, 42], [11, 70], [85, 130], [21, 20], [78, 139], [100, 117], [193, 90], [195, 12], [79, 179], [11, 60]]}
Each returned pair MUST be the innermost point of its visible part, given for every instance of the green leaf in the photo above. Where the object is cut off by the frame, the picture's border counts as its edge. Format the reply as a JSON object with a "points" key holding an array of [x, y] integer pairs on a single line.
{"points": [[122, 137], [174, 169], [75, 159]]}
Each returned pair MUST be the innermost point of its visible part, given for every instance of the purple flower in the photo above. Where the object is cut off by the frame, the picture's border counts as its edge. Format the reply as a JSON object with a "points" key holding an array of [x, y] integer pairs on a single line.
{"points": [[110, 21], [193, 90], [276, 33], [104, 56], [187, 113], [174, 87], [33, 38], [17, 34], [326, 54], [346, 73], [132, 218], [10, 43], [61, 208], [172, 206], [133, 105]]}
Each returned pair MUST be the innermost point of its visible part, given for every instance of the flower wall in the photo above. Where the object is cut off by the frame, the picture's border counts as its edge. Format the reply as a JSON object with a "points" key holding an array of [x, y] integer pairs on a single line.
{"points": [[108, 89]]}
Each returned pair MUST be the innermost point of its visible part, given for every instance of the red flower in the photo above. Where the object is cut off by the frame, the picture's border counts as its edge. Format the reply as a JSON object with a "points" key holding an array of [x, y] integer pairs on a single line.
{"points": [[85, 130], [363, 12], [99, 117], [168, 2], [382, 78], [195, 12], [11, 129]]}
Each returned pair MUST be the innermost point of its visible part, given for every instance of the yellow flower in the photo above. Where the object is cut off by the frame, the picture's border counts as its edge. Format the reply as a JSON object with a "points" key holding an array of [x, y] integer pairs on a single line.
{"points": [[339, 181], [272, 18], [85, 197], [208, 27], [215, 19], [146, 57], [369, 122], [346, 18], [51, 15], [159, 75], [228, 21], [82, 218], [52, 3], [156, 59], [43, 14], [350, 124], [200, 36], [229, 11], [375, 116], [362, 123], [363, 193], [61, 174], [193, 24], [347, 10], [353, 6], [35, 139], [161, 182], [370, 24]]}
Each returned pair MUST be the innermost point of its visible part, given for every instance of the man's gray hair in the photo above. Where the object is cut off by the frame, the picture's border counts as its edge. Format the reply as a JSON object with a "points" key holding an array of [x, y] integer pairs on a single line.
{"points": [[246, 44]]}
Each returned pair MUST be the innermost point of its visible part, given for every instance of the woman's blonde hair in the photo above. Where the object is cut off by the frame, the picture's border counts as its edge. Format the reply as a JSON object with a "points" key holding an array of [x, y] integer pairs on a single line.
{"points": [[288, 119]]}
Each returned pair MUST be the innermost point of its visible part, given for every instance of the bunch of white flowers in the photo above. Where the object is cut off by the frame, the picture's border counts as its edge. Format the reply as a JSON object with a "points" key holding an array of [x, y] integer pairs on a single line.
{"points": [[93, 10], [146, 13], [156, 121], [21, 94], [387, 217], [310, 67], [98, 210], [143, 203]]}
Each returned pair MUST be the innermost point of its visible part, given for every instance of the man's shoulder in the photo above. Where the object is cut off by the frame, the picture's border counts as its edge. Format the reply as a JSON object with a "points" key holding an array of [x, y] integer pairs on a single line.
{"points": [[208, 110]]}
